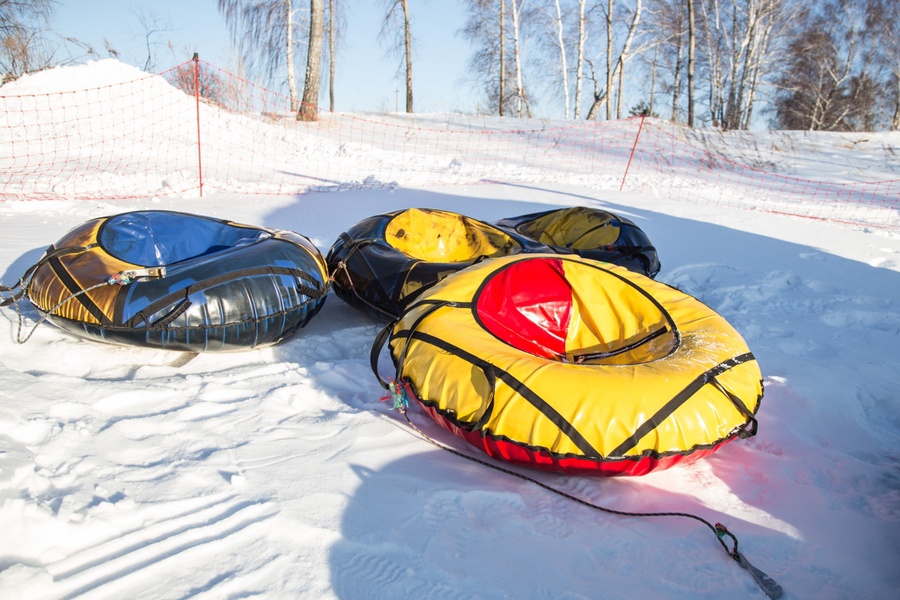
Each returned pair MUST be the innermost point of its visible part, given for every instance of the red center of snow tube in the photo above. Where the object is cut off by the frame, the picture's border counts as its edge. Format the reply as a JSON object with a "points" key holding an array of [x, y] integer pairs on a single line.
{"points": [[528, 305]]}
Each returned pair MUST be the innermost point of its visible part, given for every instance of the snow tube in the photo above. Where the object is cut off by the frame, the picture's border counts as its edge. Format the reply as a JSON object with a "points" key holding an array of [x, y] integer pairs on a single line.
{"points": [[384, 262], [573, 365], [590, 233], [179, 281]]}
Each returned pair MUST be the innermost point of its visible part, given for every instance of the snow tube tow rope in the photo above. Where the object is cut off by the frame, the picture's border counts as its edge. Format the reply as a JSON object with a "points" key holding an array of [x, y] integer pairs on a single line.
{"points": [[384, 262], [573, 365], [177, 281], [399, 396], [589, 233]]}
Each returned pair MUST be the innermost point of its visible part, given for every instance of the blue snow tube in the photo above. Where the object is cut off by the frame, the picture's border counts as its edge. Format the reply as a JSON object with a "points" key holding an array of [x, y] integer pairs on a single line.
{"points": [[179, 281]]}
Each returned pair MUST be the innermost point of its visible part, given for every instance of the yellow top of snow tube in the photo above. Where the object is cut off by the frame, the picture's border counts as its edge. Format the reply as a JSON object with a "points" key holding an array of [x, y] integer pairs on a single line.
{"points": [[576, 365], [577, 228], [445, 237]]}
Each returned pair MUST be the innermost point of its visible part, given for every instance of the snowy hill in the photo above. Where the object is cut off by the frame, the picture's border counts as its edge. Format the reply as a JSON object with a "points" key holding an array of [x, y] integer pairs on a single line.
{"points": [[279, 473]]}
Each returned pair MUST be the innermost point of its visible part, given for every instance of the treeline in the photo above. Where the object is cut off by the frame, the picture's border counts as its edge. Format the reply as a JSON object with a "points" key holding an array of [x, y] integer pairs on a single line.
{"points": [[793, 64], [831, 65]]}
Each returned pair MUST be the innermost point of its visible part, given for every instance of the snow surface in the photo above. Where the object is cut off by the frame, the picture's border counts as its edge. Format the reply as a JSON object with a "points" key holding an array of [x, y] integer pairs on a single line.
{"points": [[279, 473]]}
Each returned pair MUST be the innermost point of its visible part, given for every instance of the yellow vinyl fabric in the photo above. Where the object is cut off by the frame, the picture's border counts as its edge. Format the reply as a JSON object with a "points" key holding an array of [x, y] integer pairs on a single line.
{"points": [[444, 237], [577, 228], [646, 369], [83, 264]]}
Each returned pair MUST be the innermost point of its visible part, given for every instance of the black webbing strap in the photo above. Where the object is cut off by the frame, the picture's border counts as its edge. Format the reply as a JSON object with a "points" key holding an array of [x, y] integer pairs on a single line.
{"points": [[491, 373], [680, 398], [314, 291]]}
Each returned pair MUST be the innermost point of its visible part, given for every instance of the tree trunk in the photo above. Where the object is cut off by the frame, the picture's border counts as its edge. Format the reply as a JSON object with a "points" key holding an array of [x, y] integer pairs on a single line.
{"points": [[690, 70], [309, 105], [502, 55], [676, 85], [289, 59], [562, 59], [653, 78], [626, 51], [609, 73], [895, 121], [578, 68], [408, 45], [331, 59], [517, 56]]}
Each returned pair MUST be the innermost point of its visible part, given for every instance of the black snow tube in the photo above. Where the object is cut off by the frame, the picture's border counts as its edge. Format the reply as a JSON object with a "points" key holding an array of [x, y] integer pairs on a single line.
{"points": [[384, 262], [589, 233]]}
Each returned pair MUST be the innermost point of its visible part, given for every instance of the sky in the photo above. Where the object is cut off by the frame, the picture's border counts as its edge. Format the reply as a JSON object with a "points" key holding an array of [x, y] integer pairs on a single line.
{"points": [[367, 75]]}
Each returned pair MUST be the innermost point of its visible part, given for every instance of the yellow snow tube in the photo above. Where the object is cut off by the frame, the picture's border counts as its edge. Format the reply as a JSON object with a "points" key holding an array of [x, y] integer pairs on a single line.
{"points": [[575, 365]]}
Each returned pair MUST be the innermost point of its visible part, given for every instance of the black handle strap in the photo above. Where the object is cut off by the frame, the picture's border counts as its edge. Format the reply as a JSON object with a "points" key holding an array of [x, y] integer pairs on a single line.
{"points": [[377, 346]]}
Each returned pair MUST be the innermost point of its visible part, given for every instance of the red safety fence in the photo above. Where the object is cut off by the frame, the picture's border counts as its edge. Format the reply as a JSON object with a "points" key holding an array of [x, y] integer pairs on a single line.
{"points": [[196, 129]]}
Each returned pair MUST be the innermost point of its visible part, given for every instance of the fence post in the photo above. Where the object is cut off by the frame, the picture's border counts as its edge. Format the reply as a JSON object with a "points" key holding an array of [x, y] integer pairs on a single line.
{"points": [[636, 138], [196, 60]]}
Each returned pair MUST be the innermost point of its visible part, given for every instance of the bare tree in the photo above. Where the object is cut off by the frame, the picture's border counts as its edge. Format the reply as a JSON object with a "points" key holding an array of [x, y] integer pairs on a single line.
{"points": [[396, 25], [882, 17], [502, 56], [516, 15], [264, 32], [615, 60], [332, 31], [309, 105], [579, 60], [23, 48], [665, 30], [552, 18], [741, 38], [827, 83], [692, 42], [152, 26], [609, 57], [489, 66]]}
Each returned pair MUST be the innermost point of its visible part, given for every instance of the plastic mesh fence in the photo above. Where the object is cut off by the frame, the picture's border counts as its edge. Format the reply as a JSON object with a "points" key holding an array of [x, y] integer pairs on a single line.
{"points": [[152, 135]]}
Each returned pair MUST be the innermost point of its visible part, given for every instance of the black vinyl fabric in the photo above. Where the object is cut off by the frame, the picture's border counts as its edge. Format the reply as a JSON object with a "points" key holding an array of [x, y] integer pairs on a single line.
{"points": [[630, 247]]}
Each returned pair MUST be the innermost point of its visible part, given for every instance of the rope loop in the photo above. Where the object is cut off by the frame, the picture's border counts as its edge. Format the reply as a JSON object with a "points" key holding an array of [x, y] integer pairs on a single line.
{"points": [[721, 532], [399, 395]]}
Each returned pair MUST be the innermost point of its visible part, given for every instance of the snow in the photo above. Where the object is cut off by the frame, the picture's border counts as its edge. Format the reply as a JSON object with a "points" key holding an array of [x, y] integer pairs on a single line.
{"points": [[279, 473]]}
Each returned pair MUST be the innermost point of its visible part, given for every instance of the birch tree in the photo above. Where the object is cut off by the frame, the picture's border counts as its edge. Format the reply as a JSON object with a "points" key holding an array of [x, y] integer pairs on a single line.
{"points": [[579, 60], [692, 42], [516, 13], [554, 19], [309, 105], [264, 31], [666, 30], [490, 66], [502, 65], [561, 46], [397, 26], [741, 37], [882, 17], [827, 83], [332, 32], [615, 61]]}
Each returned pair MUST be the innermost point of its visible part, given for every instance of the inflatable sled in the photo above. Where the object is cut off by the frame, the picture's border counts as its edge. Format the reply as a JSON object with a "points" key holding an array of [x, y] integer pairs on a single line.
{"points": [[589, 233], [574, 365], [384, 262], [179, 281]]}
